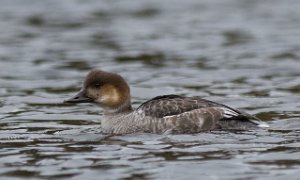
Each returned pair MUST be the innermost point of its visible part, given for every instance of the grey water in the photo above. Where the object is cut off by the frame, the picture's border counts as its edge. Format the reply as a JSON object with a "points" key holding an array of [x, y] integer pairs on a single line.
{"points": [[243, 53]]}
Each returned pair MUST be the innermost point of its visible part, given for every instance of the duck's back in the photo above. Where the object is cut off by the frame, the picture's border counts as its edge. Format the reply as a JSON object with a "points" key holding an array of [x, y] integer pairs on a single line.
{"points": [[192, 114]]}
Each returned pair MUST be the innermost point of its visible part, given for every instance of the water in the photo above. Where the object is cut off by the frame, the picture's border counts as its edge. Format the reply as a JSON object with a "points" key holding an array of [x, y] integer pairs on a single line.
{"points": [[239, 52]]}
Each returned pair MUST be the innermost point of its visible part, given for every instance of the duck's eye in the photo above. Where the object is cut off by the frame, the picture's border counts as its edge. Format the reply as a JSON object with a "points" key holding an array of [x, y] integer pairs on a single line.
{"points": [[97, 85]]}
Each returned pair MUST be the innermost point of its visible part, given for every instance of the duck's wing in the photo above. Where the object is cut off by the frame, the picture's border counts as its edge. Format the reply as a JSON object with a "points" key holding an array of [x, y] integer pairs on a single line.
{"points": [[190, 109]]}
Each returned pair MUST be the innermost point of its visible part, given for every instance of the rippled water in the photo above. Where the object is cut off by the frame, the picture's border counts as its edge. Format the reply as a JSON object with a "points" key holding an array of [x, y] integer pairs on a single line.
{"points": [[242, 53]]}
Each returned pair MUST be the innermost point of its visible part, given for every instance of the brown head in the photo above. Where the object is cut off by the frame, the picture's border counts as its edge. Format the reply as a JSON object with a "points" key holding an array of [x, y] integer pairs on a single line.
{"points": [[108, 90]]}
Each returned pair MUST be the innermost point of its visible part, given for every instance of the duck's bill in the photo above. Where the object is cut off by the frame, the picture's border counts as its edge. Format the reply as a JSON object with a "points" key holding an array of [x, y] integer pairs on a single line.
{"points": [[79, 98]]}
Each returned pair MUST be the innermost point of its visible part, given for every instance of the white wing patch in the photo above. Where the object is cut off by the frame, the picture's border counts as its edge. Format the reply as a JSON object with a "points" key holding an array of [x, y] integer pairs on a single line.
{"points": [[181, 114], [140, 111], [228, 113]]}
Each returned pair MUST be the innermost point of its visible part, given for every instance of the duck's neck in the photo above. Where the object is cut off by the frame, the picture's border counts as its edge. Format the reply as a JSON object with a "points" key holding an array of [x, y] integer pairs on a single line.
{"points": [[122, 109]]}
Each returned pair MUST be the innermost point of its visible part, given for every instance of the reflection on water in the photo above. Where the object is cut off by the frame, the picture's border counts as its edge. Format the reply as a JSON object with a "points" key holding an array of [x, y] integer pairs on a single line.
{"points": [[238, 52]]}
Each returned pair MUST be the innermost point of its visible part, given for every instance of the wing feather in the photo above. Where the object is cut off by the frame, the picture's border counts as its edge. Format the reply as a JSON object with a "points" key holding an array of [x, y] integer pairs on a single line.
{"points": [[189, 110], [168, 105]]}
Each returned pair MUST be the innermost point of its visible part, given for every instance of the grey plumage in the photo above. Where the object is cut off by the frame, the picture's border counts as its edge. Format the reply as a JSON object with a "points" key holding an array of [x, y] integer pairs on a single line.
{"points": [[178, 114]]}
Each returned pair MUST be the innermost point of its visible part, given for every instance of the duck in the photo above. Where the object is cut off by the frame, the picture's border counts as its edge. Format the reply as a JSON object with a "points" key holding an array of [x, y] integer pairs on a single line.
{"points": [[174, 114]]}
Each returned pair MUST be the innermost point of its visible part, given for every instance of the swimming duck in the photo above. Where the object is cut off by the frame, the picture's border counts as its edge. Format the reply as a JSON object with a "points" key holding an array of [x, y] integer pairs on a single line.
{"points": [[167, 113]]}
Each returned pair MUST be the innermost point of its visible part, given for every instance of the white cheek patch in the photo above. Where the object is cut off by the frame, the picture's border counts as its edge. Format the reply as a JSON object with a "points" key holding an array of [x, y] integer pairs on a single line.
{"points": [[102, 99], [107, 95], [108, 98], [115, 97]]}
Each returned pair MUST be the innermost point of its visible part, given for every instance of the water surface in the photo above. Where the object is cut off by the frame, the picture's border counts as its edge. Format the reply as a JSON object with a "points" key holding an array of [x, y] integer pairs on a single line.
{"points": [[238, 52]]}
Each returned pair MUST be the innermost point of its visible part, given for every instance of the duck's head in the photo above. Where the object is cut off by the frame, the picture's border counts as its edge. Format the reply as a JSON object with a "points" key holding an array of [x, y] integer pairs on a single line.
{"points": [[108, 90]]}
